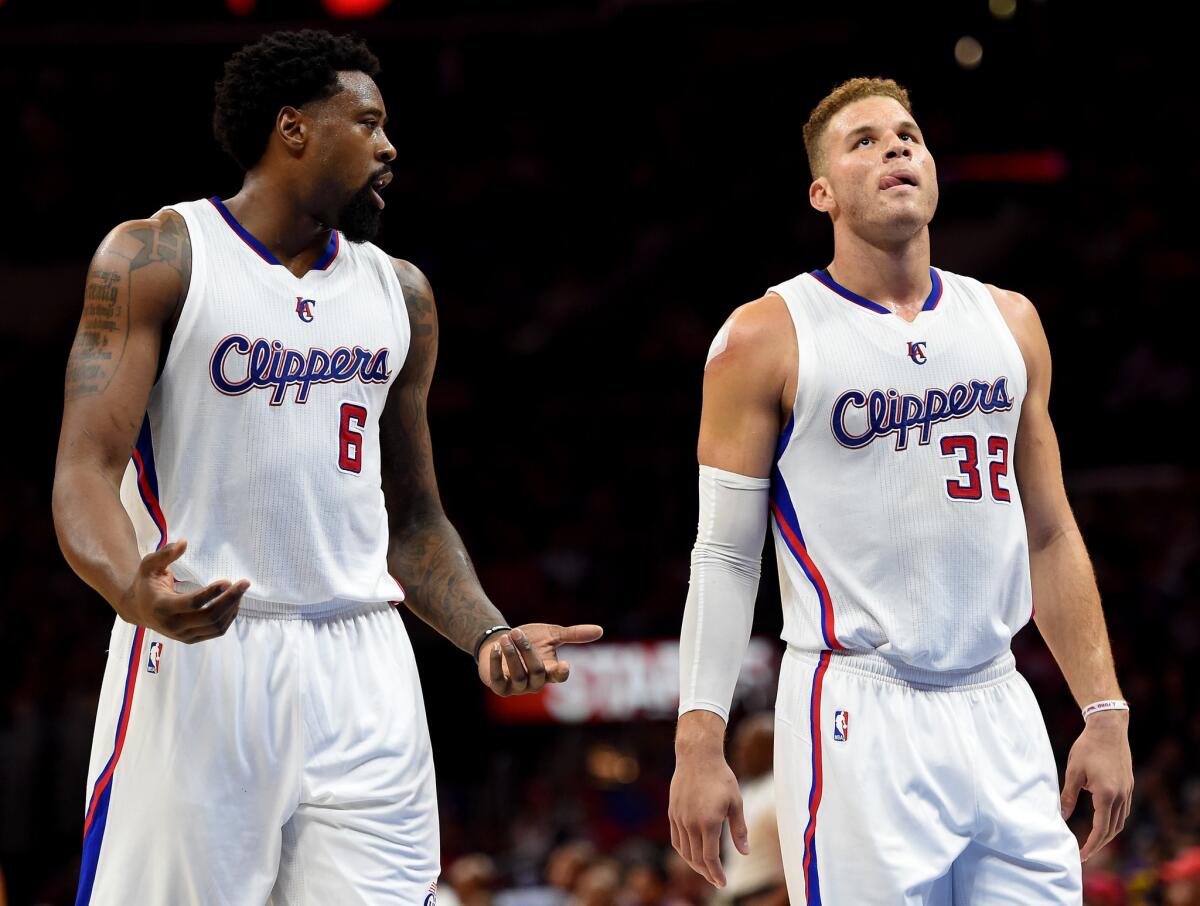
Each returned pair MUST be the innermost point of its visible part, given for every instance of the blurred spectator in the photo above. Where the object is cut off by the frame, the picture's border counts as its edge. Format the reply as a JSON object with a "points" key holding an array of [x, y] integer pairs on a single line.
{"points": [[645, 884], [598, 885], [472, 879], [1181, 879]]}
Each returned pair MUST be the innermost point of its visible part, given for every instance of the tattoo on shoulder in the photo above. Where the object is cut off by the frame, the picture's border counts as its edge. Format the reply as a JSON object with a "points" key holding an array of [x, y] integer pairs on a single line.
{"points": [[418, 296], [167, 243], [104, 326]]}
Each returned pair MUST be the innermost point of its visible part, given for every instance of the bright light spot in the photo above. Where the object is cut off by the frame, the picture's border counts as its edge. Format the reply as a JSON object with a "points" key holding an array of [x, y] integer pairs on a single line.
{"points": [[241, 7], [609, 766], [1002, 9], [968, 52], [353, 9]]}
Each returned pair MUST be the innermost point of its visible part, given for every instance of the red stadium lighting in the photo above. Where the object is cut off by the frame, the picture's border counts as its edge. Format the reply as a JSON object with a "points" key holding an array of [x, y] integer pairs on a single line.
{"points": [[241, 7], [353, 9]]}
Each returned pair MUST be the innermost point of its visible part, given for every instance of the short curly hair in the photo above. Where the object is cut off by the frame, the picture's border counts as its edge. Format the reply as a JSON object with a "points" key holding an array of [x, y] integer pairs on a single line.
{"points": [[844, 95], [284, 68]]}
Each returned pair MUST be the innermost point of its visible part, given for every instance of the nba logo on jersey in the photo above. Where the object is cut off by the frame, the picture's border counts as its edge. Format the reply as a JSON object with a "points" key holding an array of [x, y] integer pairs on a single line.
{"points": [[304, 308], [155, 655], [916, 350], [841, 726]]}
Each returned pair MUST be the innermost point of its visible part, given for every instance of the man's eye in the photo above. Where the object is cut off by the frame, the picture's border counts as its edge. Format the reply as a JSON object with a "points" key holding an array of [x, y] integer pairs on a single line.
{"points": [[862, 140], [908, 135], [372, 123]]}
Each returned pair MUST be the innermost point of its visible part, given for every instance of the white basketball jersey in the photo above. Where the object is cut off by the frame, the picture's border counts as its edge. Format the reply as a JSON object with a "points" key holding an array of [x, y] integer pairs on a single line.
{"points": [[261, 439], [898, 526]]}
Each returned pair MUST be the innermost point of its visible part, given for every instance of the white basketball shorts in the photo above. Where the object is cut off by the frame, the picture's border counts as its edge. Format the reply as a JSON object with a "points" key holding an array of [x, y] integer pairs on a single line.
{"points": [[897, 791], [287, 762]]}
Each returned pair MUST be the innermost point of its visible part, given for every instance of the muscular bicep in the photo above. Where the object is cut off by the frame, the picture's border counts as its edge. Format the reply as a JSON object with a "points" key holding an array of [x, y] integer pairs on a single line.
{"points": [[744, 382], [1036, 460], [408, 475], [135, 282]]}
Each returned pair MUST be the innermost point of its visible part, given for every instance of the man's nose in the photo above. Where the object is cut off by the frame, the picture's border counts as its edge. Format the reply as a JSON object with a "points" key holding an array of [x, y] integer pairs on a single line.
{"points": [[897, 148], [386, 152]]}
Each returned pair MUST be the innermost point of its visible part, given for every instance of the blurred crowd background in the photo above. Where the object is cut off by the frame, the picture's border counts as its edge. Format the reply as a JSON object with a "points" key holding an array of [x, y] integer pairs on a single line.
{"points": [[591, 188]]}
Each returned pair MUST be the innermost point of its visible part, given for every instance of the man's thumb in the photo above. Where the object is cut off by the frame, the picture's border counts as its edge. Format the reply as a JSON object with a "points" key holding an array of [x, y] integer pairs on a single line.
{"points": [[1072, 783], [737, 827]]}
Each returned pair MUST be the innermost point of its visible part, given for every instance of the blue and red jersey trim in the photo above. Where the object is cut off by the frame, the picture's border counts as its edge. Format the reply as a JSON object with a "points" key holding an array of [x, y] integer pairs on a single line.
{"points": [[812, 880], [331, 248], [789, 526], [97, 813], [147, 479], [931, 301], [96, 817]]}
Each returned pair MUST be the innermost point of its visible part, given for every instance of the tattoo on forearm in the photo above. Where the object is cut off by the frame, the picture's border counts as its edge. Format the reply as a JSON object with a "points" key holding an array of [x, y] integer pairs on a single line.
{"points": [[442, 588], [103, 332], [427, 556]]}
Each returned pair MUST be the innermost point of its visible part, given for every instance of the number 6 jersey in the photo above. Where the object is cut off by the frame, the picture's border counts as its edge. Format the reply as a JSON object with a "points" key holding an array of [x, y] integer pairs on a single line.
{"points": [[898, 526], [260, 444]]}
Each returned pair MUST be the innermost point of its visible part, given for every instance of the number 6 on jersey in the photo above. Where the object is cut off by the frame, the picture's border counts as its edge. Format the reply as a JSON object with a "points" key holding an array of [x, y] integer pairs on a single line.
{"points": [[350, 439]]}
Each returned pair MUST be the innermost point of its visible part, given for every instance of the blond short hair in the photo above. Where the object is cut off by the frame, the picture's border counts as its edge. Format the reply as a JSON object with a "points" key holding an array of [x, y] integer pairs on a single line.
{"points": [[845, 94]]}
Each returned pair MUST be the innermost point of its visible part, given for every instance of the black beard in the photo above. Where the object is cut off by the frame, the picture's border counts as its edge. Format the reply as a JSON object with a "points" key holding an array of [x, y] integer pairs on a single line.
{"points": [[359, 219]]}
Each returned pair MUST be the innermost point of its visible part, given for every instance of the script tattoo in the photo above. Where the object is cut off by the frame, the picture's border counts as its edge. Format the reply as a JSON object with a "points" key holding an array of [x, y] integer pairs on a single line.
{"points": [[104, 326], [102, 333], [427, 555]]}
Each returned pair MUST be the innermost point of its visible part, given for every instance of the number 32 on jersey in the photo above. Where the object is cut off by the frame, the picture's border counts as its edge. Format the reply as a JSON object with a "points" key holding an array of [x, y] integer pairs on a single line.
{"points": [[968, 485]]}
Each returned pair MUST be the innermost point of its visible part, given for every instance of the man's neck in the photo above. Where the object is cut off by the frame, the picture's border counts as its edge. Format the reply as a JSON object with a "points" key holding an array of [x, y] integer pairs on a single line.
{"points": [[894, 277], [270, 211]]}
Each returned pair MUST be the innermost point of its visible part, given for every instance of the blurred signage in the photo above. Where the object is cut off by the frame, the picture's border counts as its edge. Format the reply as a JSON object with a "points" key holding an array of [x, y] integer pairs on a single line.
{"points": [[631, 680]]}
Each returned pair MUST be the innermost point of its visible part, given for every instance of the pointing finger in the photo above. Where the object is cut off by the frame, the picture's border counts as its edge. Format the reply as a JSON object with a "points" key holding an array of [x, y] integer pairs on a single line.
{"points": [[580, 634]]}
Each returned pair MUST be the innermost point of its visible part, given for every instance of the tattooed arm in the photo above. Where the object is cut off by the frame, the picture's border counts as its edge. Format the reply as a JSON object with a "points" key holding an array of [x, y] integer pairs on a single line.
{"points": [[426, 553], [136, 285]]}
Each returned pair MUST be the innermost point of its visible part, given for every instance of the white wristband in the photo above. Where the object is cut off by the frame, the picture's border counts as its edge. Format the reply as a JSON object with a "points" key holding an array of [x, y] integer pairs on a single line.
{"points": [[1113, 704]]}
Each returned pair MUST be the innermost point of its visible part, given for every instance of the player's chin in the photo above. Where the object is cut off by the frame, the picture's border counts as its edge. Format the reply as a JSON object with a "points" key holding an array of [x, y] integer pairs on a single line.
{"points": [[360, 218]]}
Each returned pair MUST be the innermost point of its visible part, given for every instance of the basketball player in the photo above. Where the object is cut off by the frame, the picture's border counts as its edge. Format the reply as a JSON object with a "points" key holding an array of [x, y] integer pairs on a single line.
{"points": [[890, 420], [261, 732]]}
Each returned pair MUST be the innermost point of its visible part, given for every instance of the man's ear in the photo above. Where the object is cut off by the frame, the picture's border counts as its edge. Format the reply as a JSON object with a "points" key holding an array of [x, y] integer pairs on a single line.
{"points": [[293, 127]]}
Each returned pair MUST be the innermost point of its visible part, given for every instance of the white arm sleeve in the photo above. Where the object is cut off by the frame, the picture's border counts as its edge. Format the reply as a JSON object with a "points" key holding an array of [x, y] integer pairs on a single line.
{"points": [[726, 564]]}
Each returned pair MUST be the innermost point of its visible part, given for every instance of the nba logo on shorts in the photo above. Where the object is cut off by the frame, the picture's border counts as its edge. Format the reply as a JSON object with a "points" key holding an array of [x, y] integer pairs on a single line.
{"points": [[841, 726], [155, 654]]}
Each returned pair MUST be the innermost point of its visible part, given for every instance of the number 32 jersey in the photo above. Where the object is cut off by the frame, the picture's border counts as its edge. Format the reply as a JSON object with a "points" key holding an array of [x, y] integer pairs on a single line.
{"points": [[260, 444], [897, 522]]}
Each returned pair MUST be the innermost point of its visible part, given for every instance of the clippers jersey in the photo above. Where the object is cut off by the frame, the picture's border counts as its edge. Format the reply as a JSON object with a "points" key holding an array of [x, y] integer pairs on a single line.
{"points": [[898, 526], [261, 438]]}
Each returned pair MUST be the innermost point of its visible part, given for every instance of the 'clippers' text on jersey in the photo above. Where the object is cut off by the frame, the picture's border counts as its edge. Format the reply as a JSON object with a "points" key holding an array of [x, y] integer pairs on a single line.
{"points": [[261, 438], [897, 519]]}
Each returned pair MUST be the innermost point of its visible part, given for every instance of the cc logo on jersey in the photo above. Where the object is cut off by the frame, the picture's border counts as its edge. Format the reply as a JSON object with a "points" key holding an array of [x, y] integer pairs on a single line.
{"points": [[304, 309], [916, 350]]}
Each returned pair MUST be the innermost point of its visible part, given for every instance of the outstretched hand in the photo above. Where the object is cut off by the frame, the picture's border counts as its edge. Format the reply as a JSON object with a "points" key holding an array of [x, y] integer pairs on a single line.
{"points": [[151, 600], [1100, 763], [526, 658]]}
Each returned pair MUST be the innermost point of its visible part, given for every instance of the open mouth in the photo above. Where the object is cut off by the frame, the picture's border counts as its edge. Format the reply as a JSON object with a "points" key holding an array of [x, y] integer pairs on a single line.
{"points": [[378, 185], [895, 180]]}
